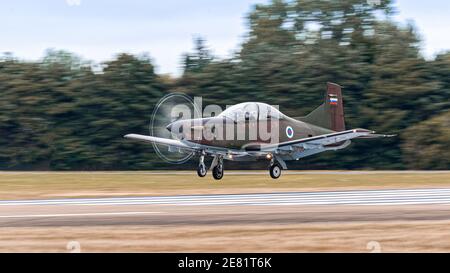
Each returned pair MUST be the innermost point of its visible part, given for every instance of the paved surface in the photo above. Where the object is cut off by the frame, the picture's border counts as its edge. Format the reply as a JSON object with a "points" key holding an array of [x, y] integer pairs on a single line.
{"points": [[354, 197], [269, 208]]}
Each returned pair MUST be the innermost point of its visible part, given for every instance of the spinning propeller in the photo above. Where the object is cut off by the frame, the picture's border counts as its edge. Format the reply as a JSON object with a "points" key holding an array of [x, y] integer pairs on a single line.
{"points": [[172, 107]]}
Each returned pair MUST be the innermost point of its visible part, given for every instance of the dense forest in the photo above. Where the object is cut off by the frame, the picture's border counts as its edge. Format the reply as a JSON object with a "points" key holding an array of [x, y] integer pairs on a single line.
{"points": [[63, 113]]}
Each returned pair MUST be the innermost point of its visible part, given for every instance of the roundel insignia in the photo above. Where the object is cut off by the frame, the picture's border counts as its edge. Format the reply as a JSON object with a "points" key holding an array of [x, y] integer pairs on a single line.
{"points": [[289, 132]]}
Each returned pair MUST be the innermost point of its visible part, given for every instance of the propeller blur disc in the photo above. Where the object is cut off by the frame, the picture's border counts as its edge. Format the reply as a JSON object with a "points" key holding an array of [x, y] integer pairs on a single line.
{"points": [[172, 107]]}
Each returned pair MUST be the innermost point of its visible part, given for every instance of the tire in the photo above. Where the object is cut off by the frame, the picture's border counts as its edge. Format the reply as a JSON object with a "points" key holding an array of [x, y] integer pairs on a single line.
{"points": [[275, 171], [201, 170], [217, 172]]}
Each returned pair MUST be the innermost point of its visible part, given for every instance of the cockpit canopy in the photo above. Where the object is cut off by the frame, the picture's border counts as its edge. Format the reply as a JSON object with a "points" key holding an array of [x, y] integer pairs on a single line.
{"points": [[251, 111]]}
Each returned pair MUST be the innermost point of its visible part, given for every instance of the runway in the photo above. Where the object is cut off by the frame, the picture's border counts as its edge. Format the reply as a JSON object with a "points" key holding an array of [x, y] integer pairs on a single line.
{"points": [[355, 197], [258, 208]]}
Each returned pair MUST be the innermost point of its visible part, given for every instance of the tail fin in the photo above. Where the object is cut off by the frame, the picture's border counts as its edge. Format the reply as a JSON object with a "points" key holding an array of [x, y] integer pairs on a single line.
{"points": [[330, 114]]}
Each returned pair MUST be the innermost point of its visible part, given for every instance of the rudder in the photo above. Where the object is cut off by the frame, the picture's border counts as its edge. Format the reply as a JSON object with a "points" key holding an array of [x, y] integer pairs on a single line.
{"points": [[330, 114]]}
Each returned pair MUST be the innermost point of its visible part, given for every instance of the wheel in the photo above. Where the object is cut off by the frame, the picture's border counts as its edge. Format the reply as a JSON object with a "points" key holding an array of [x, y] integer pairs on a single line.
{"points": [[217, 172], [275, 171], [201, 170]]}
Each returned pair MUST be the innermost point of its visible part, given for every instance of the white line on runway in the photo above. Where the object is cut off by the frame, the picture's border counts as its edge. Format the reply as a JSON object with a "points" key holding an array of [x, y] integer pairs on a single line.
{"points": [[80, 214], [353, 197]]}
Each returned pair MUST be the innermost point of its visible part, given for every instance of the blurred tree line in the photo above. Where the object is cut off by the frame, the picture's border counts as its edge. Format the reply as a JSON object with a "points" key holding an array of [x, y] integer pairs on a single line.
{"points": [[61, 113]]}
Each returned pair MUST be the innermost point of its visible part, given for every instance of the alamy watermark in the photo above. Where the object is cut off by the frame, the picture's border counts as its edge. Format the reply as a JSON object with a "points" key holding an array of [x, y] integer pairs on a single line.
{"points": [[188, 119]]}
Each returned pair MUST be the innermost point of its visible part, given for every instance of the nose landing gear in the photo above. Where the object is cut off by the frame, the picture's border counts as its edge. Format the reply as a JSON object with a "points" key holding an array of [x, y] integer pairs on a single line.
{"points": [[216, 166], [217, 170]]}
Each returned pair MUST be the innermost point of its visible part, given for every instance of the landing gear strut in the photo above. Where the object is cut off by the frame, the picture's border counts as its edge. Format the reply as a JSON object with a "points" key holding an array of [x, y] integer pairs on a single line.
{"points": [[201, 170], [217, 170]]}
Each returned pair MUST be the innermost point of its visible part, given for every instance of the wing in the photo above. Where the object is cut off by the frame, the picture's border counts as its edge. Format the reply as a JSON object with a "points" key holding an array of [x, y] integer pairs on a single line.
{"points": [[303, 147], [376, 136], [187, 145], [293, 149], [163, 141], [322, 140]]}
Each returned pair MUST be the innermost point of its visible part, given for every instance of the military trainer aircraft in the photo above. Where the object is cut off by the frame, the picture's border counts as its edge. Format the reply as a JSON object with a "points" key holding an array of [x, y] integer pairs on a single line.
{"points": [[286, 138]]}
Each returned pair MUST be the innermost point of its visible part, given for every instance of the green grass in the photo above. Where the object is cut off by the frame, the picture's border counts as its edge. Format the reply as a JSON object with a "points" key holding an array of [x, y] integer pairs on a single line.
{"points": [[73, 184]]}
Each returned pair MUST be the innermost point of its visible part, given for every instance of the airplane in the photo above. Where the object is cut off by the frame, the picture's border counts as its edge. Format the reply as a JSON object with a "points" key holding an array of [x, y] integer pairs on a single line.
{"points": [[321, 130]]}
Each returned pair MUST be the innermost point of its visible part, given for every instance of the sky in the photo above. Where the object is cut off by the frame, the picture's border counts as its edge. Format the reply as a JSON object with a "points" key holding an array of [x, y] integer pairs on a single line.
{"points": [[164, 29]]}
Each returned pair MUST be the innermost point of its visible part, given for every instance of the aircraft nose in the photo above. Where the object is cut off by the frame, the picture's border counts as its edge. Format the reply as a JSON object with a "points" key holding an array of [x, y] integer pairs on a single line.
{"points": [[169, 127]]}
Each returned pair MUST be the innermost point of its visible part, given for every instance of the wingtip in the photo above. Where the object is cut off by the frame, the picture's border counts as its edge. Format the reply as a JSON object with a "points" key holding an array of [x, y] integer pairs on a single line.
{"points": [[361, 130], [381, 135], [384, 135]]}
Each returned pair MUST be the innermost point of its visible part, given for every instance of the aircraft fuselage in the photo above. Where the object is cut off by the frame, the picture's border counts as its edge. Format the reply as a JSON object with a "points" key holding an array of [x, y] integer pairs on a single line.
{"points": [[243, 135]]}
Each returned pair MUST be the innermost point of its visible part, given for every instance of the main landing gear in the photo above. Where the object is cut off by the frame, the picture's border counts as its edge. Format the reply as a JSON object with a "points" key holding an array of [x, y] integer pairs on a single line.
{"points": [[275, 166], [201, 170], [216, 166], [275, 170]]}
